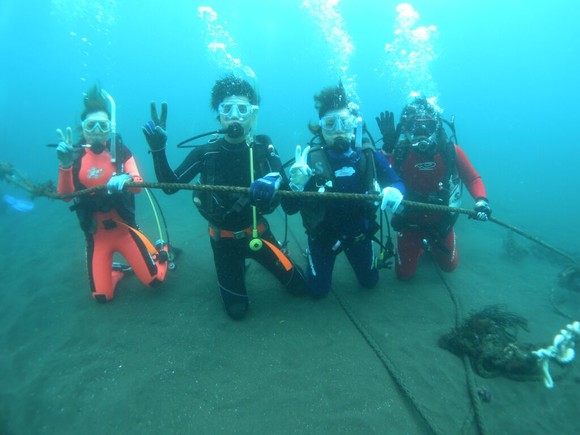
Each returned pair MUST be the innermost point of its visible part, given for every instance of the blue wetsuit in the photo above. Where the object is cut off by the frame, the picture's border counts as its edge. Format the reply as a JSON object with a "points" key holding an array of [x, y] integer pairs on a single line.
{"points": [[334, 226]]}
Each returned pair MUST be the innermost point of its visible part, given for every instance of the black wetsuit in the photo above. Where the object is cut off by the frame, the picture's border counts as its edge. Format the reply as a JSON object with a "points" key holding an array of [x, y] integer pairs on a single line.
{"points": [[230, 215]]}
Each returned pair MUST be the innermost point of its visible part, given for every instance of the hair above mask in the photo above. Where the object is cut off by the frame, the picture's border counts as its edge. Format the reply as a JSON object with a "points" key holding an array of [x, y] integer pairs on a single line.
{"points": [[231, 85], [331, 98], [94, 102]]}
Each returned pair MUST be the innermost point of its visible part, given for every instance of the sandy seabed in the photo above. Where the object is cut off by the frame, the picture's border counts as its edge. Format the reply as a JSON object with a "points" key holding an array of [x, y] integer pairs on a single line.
{"points": [[169, 360]]}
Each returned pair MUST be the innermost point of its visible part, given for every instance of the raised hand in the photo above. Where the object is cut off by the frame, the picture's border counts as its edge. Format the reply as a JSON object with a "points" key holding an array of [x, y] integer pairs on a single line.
{"points": [[161, 122], [386, 124], [300, 172], [154, 130], [64, 150]]}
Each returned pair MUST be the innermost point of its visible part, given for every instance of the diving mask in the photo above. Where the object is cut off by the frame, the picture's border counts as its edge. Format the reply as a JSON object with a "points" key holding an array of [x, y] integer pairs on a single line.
{"points": [[422, 127], [92, 125], [342, 121], [422, 133], [239, 109]]}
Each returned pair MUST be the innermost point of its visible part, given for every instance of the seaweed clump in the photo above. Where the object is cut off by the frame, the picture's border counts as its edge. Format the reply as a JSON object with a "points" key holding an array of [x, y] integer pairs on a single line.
{"points": [[489, 339]]}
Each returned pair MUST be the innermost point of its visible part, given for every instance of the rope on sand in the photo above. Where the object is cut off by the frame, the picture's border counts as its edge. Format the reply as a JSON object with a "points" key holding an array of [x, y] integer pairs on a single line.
{"points": [[387, 363], [469, 376], [48, 191]]}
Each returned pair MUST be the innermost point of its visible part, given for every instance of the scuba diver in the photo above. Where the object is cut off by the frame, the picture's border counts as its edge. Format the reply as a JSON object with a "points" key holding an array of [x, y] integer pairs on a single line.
{"points": [[433, 168], [107, 217], [339, 159], [237, 226]]}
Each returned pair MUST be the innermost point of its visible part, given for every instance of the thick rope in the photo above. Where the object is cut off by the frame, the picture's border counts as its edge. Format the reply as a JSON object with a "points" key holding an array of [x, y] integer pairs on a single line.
{"points": [[314, 195], [469, 376], [281, 193], [387, 363], [534, 239], [391, 368]]}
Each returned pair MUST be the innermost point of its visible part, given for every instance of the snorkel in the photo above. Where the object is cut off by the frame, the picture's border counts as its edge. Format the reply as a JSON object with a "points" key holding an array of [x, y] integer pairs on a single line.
{"points": [[113, 110]]}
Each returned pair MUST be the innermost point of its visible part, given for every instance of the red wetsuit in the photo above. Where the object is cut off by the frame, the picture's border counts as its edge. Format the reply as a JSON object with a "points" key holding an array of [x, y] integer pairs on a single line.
{"points": [[108, 221], [424, 175]]}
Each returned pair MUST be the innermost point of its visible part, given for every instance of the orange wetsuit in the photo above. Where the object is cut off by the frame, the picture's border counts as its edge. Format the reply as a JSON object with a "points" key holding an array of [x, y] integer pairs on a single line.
{"points": [[108, 221]]}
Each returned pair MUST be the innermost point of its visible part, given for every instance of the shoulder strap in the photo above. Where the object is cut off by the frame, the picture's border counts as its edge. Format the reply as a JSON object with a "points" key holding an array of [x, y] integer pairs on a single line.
{"points": [[265, 154], [370, 174]]}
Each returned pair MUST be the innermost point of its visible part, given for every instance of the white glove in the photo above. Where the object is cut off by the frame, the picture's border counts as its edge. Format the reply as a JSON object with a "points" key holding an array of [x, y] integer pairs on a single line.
{"points": [[482, 209], [116, 183], [392, 198], [64, 150], [300, 172]]}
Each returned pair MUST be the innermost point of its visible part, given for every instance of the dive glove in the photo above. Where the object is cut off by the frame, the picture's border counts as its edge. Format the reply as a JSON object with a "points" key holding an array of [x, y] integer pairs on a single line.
{"points": [[300, 172], [117, 182], [392, 198], [482, 209], [64, 150], [263, 189], [386, 124], [155, 130]]}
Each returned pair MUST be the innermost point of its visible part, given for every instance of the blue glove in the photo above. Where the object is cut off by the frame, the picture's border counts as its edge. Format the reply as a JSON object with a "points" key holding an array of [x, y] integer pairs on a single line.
{"points": [[263, 189], [154, 130], [482, 209], [155, 136], [117, 182]]}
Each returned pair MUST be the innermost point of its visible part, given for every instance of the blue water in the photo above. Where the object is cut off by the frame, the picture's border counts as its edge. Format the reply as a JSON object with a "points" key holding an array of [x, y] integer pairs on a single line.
{"points": [[507, 71]]}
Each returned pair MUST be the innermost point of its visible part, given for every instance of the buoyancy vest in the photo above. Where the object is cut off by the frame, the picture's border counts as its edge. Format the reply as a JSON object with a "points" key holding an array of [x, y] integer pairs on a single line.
{"points": [[224, 167], [429, 176], [86, 206], [314, 213], [323, 172]]}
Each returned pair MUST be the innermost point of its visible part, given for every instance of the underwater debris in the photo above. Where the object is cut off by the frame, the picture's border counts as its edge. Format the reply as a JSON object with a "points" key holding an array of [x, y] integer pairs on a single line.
{"points": [[489, 338], [11, 175], [570, 278], [513, 249]]}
